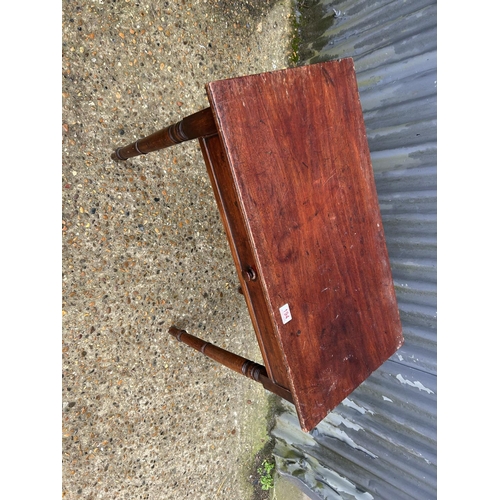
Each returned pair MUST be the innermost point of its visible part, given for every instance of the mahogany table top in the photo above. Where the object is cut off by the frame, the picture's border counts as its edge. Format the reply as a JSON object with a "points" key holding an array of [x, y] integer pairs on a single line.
{"points": [[304, 197]]}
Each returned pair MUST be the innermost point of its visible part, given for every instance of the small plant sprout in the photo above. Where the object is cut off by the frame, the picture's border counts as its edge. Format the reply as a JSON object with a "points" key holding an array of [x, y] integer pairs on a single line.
{"points": [[266, 475]]}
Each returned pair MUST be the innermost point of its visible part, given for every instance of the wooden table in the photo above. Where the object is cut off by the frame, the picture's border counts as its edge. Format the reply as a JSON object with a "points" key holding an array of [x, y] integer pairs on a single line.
{"points": [[288, 159]]}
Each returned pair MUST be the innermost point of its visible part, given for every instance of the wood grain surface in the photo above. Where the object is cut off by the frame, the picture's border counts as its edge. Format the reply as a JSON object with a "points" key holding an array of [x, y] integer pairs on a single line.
{"points": [[227, 202], [296, 147]]}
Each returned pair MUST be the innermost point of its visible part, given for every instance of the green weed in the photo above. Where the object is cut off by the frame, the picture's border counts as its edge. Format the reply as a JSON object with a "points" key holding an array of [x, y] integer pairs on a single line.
{"points": [[266, 475]]}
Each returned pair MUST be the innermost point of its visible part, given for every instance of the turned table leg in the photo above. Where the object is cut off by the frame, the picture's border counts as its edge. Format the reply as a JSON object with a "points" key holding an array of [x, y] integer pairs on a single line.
{"points": [[236, 363], [200, 124]]}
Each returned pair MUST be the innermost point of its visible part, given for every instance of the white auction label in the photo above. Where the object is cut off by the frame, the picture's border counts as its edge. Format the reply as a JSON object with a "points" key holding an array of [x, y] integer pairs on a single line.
{"points": [[286, 315]]}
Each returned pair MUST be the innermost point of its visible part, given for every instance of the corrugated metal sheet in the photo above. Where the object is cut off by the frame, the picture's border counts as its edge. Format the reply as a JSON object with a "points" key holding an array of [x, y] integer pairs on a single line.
{"points": [[381, 441]]}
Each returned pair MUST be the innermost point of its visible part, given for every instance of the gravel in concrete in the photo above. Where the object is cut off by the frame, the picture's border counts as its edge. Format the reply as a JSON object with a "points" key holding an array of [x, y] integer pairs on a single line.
{"points": [[144, 248]]}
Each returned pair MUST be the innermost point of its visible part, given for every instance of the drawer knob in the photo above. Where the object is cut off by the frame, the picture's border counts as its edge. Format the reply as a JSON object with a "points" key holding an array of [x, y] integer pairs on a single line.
{"points": [[249, 274]]}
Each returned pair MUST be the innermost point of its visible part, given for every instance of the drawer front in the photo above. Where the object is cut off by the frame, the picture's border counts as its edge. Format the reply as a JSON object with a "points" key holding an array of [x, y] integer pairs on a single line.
{"points": [[227, 201]]}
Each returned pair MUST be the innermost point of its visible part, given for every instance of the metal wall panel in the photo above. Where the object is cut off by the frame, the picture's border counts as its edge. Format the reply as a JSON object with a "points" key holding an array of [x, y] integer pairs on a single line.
{"points": [[381, 441]]}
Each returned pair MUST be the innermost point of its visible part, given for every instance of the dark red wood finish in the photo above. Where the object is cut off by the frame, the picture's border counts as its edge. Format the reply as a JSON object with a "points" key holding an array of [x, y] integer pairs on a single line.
{"points": [[232, 361], [302, 184], [198, 124], [289, 163], [227, 202]]}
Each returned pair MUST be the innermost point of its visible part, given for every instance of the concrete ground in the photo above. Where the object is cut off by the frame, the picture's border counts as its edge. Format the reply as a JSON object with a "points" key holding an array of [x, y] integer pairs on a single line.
{"points": [[144, 248]]}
